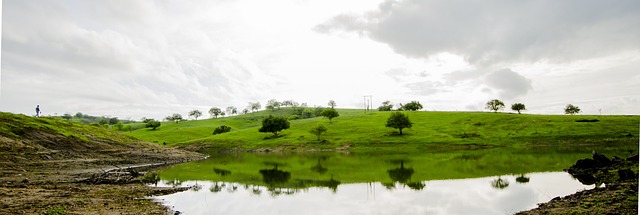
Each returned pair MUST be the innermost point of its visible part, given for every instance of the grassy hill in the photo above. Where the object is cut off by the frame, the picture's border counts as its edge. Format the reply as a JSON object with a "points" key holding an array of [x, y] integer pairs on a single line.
{"points": [[25, 140], [358, 130]]}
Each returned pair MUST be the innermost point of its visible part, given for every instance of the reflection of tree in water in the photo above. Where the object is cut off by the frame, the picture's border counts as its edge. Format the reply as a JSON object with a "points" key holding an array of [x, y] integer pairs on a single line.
{"points": [[403, 176], [196, 187], [331, 184], [174, 183], [215, 188], [319, 168], [522, 179], [274, 176], [500, 183], [221, 172]]}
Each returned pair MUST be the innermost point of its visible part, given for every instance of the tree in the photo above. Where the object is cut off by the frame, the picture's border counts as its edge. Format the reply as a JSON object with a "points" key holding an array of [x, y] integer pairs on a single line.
{"points": [[518, 107], [119, 126], [412, 106], [274, 124], [332, 104], [231, 110], [152, 124], [195, 114], [571, 109], [67, 116], [176, 117], [245, 111], [399, 120], [255, 106], [215, 112], [318, 130], [386, 106], [495, 105], [113, 121], [329, 113], [273, 104]]}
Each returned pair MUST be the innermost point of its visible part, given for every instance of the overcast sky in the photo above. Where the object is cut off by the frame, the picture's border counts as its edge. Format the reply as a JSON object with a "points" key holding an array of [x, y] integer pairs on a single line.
{"points": [[139, 58]]}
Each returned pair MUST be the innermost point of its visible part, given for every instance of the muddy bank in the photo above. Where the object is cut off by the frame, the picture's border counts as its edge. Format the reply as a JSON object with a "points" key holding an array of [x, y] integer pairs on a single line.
{"points": [[51, 166], [616, 192]]}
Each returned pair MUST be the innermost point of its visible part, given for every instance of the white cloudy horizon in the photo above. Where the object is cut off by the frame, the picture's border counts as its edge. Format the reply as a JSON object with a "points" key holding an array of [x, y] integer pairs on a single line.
{"points": [[150, 59]]}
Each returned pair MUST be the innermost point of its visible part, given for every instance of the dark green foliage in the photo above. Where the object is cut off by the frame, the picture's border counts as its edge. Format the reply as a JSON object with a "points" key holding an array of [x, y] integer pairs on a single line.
{"points": [[195, 114], [153, 124], [330, 113], [500, 183], [221, 129], [571, 109], [518, 107], [174, 117], [412, 106], [67, 116], [294, 117], [113, 121], [274, 124], [587, 120], [215, 112], [495, 105], [318, 130], [399, 120], [386, 106], [307, 113]]}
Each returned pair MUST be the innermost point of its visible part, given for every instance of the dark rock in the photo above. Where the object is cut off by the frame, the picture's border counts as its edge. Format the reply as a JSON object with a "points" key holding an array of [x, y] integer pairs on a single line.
{"points": [[633, 158], [600, 159], [616, 159], [626, 174]]}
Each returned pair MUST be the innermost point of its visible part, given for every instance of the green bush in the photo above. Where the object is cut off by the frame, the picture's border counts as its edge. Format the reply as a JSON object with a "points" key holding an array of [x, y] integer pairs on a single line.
{"points": [[221, 129], [294, 117]]}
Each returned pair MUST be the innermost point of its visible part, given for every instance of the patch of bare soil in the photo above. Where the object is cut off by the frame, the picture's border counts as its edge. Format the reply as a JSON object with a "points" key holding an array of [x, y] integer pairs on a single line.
{"points": [[47, 173]]}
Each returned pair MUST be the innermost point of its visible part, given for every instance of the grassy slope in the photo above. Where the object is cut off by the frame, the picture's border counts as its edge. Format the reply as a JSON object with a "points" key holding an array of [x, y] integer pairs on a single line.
{"points": [[30, 139], [357, 129]]}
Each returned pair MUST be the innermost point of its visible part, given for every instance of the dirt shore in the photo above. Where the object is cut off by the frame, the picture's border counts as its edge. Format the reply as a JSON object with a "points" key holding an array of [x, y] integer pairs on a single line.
{"points": [[85, 186]]}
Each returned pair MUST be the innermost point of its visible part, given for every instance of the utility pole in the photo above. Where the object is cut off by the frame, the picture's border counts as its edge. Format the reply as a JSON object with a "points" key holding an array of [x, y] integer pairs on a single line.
{"points": [[367, 102]]}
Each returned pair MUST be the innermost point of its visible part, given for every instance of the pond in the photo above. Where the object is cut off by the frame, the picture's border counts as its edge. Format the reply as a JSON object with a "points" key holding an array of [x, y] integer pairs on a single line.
{"points": [[489, 181]]}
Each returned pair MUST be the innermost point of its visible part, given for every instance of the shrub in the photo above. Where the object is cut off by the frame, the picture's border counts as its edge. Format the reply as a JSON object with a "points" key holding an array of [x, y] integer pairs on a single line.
{"points": [[294, 117], [221, 129]]}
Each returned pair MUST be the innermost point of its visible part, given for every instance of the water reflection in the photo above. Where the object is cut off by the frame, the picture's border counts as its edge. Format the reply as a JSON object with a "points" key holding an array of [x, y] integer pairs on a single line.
{"points": [[477, 182], [402, 175], [461, 196]]}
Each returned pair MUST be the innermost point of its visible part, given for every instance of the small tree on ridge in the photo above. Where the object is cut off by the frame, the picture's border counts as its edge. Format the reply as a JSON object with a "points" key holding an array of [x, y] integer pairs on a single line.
{"points": [[518, 107], [495, 105], [399, 120]]}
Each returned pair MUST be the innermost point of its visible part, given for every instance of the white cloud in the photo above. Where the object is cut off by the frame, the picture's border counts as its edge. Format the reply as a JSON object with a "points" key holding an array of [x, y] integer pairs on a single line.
{"points": [[150, 58]]}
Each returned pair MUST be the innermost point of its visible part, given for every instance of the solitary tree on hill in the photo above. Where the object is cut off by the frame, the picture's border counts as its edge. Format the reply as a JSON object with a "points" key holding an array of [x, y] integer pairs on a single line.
{"points": [[176, 117], [412, 106], [152, 124], [318, 130], [332, 104], [399, 120], [495, 105], [329, 113], [571, 109], [518, 107], [195, 114], [386, 106], [273, 104], [215, 112], [274, 124], [255, 106]]}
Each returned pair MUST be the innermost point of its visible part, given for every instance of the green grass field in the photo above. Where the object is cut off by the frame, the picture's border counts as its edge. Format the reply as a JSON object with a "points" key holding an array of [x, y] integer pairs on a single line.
{"points": [[360, 130]]}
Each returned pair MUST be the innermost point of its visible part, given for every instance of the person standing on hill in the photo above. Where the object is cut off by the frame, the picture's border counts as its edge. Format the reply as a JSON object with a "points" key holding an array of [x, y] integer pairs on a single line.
{"points": [[37, 110]]}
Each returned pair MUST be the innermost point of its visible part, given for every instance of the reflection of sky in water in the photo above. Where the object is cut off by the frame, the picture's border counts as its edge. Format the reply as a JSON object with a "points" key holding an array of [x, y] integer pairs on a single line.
{"points": [[464, 196]]}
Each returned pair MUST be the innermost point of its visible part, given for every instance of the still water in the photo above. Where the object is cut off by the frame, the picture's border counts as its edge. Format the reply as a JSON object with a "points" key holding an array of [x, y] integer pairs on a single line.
{"points": [[461, 182]]}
